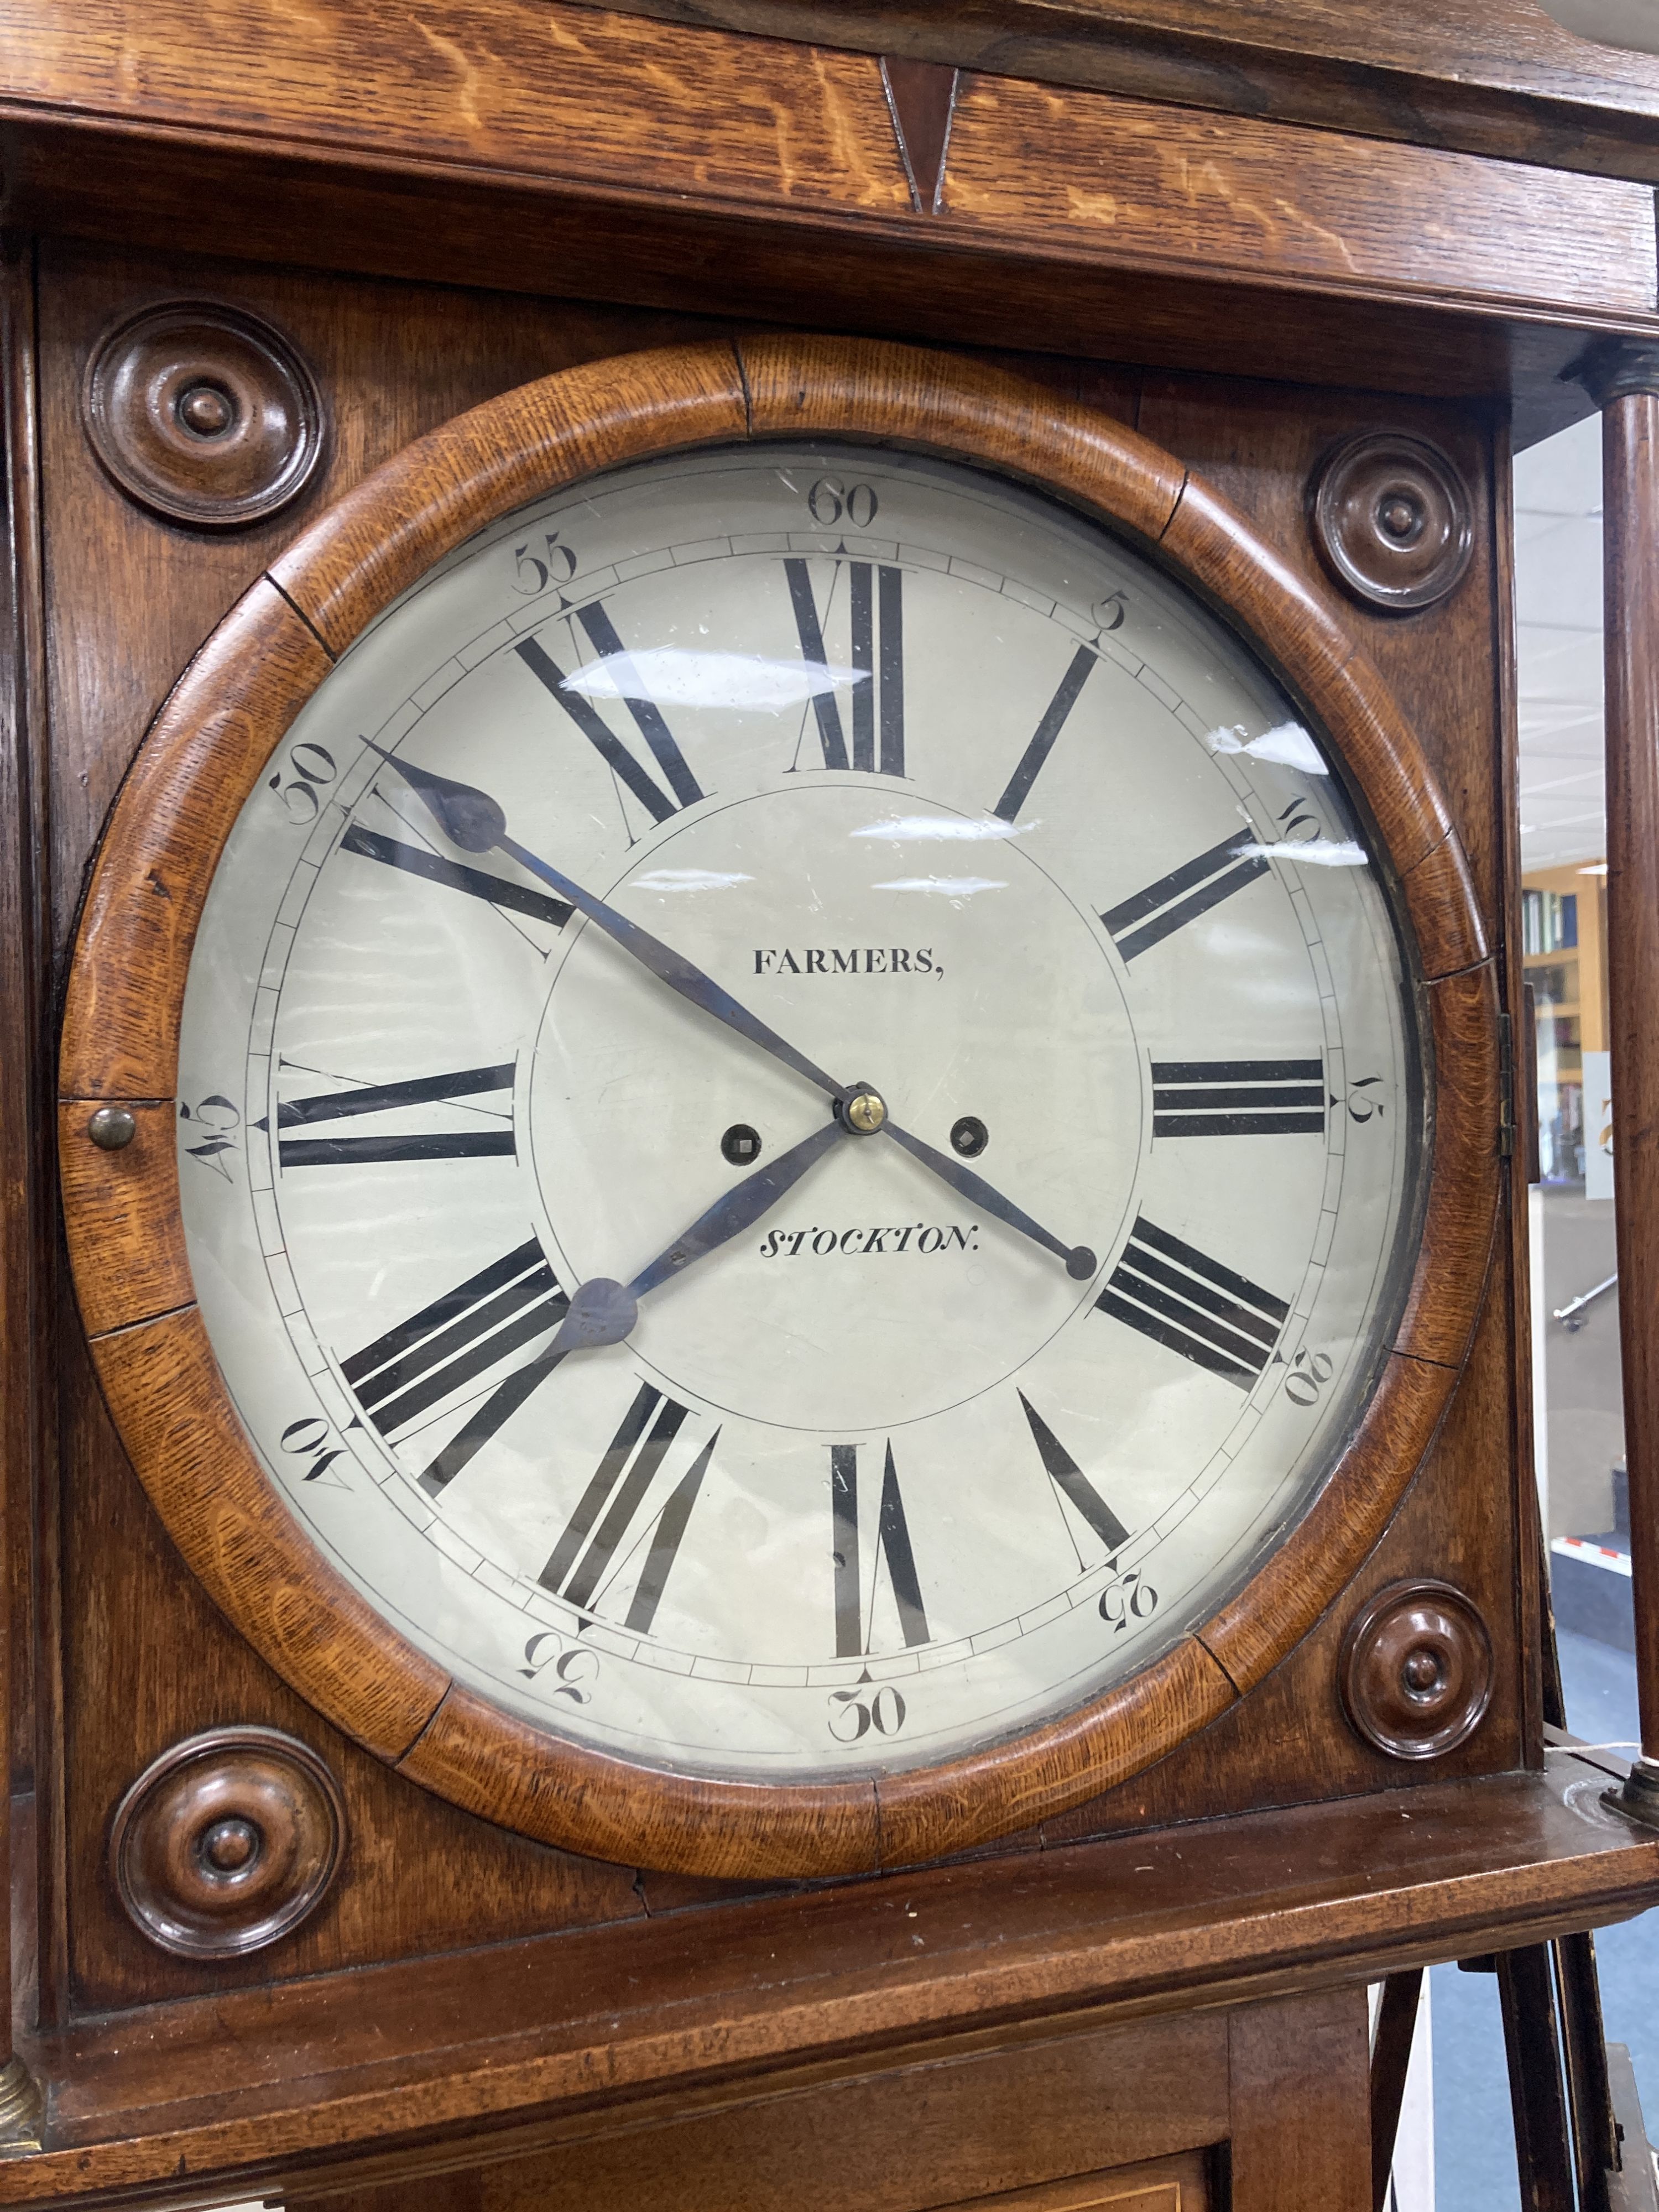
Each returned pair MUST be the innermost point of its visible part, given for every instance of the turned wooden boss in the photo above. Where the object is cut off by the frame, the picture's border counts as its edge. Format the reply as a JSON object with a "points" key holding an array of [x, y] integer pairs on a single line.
{"points": [[1416, 1670], [204, 414], [1391, 517], [226, 1842], [204, 755]]}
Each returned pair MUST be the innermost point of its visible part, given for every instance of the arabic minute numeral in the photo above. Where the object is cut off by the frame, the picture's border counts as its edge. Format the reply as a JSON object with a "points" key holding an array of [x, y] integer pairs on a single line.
{"points": [[308, 1439], [1362, 1106], [1310, 1371], [1130, 1597], [830, 500], [215, 1117], [1108, 614], [533, 572], [572, 1666], [308, 770], [852, 1714], [1298, 824]]}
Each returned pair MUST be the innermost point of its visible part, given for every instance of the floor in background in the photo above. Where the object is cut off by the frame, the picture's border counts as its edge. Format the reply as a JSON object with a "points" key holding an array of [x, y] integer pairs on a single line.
{"points": [[1475, 2138]]}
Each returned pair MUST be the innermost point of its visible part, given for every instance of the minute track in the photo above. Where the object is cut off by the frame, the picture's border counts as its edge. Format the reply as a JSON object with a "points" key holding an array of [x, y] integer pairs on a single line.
{"points": [[1097, 1097]]}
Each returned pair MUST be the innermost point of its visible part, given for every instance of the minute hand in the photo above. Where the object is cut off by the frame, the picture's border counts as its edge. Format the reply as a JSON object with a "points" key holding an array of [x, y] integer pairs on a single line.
{"points": [[473, 820], [1080, 1261]]}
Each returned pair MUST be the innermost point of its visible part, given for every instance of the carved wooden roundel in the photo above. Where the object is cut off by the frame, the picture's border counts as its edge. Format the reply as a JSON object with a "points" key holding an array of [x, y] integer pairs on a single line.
{"points": [[1391, 515], [204, 413], [883, 666], [226, 1842], [1417, 1669]]}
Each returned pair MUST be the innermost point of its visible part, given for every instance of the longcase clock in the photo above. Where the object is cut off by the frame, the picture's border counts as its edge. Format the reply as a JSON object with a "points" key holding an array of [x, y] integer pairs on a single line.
{"points": [[768, 1428]]}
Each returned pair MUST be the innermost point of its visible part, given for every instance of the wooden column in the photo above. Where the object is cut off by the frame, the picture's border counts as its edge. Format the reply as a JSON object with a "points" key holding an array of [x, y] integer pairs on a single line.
{"points": [[1623, 380]]}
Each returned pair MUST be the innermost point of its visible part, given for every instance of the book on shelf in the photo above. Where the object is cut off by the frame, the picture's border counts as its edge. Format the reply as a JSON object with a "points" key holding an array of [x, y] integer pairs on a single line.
{"points": [[1549, 921]]}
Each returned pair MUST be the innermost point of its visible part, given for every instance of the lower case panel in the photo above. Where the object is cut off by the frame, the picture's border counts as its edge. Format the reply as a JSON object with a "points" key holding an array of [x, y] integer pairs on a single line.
{"points": [[1276, 2091]]}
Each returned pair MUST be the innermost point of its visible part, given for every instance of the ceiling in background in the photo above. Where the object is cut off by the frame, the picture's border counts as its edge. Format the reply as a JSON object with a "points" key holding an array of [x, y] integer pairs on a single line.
{"points": [[1558, 603]]}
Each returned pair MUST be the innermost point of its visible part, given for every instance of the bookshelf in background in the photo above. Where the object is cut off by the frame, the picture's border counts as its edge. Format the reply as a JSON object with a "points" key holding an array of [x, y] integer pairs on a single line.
{"points": [[1563, 939]]}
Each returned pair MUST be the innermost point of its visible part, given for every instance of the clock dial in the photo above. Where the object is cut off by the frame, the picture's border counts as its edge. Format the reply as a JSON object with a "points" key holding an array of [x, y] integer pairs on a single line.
{"points": [[799, 1112]]}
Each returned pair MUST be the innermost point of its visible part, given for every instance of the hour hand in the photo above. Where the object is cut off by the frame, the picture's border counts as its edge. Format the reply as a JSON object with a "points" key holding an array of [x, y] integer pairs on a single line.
{"points": [[603, 1312]]}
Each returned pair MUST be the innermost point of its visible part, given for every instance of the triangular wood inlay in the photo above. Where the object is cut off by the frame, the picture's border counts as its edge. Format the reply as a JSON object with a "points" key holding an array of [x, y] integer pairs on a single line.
{"points": [[919, 98]]}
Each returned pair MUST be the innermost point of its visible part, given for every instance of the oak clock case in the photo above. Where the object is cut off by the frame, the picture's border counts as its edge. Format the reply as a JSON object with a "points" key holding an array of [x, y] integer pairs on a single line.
{"points": [[1058, 1326]]}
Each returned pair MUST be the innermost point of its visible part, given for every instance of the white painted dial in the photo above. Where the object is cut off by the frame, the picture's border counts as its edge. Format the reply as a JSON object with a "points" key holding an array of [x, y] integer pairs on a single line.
{"points": [[917, 785]]}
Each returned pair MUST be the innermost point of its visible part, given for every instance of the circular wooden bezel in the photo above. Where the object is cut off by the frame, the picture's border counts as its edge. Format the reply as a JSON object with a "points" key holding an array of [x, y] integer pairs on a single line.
{"points": [[203, 758]]}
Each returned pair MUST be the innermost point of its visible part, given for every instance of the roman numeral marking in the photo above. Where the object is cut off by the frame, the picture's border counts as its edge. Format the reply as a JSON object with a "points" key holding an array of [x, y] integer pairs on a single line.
{"points": [[586, 1551], [449, 1343], [1239, 1098], [602, 635], [892, 1544], [1185, 893], [876, 622], [1193, 1305], [1070, 1481], [371, 1151], [388, 1097], [810, 631], [1053, 721], [477, 882]]}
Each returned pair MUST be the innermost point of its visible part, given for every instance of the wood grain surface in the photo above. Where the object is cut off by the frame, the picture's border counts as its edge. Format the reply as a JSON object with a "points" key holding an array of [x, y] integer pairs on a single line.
{"points": [[571, 2037], [120, 1033], [129, 1246], [1533, 1625], [499, 142], [203, 758], [1460, 1216], [244, 1545], [1492, 77], [839, 387], [1187, 2183], [588, 96], [1114, 179], [25, 1202], [1440, 888], [500, 85], [1312, 2059], [977, 2127]]}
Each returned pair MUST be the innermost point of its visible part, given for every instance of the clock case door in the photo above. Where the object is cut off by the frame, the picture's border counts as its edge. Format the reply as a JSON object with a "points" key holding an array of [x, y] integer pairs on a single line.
{"points": [[1287, 1738]]}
